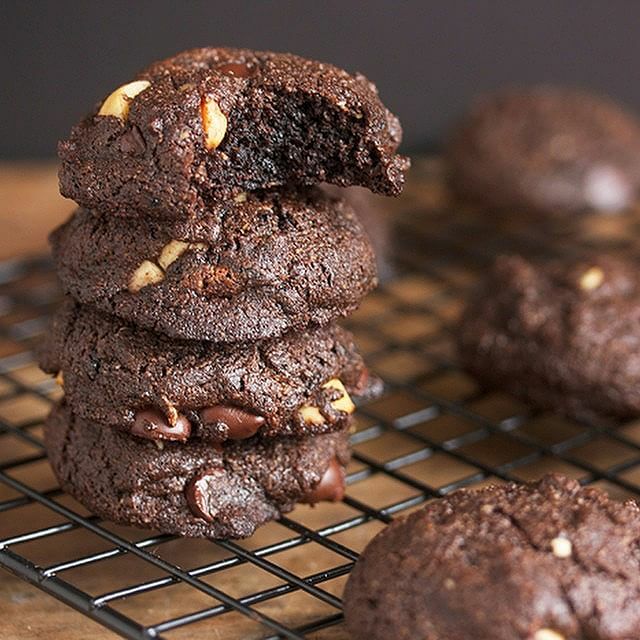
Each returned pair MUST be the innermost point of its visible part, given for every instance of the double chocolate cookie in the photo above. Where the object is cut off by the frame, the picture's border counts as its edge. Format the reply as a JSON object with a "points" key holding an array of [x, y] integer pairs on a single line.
{"points": [[564, 335], [250, 269], [156, 387], [209, 123], [547, 149], [193, 489], [546, 561]]}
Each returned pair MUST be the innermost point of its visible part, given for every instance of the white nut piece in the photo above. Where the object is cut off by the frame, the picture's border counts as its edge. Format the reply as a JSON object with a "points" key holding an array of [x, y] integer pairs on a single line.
{"points": [[117, 103], [561, 547], [591, 279], [174, 249], [240, 198], [547, 634], [171, 252], [312, 415], [147, 273], [344, 402], [214, 123]]}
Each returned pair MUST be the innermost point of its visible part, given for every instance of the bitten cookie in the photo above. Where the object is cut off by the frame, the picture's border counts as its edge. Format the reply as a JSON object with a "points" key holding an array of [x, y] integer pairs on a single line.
{"points": [[562, 335], [547, 149], [544, 561], [249, 270], [208, 123], [118, 374], [193, 489]]}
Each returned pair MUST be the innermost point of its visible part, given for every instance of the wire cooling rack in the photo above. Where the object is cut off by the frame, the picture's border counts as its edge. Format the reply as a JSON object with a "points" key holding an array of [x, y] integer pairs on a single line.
{"points": [[433, 431]]}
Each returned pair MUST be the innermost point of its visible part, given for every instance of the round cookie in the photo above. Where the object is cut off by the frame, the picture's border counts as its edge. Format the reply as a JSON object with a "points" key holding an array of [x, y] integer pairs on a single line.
{"points": [[118, 374], [195, 489], [208, 123], [545, 561], [546, 149], [251, 269], [561, 335]]}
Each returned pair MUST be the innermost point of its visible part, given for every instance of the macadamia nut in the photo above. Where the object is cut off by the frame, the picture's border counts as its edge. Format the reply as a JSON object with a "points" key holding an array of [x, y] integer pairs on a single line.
{"points": [[312, 415], [117, 104], [147, 273], [214, 123]]}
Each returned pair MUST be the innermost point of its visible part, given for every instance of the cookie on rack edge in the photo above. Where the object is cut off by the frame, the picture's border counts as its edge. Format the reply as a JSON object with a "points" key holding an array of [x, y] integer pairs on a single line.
{"points": [[550, 560]]}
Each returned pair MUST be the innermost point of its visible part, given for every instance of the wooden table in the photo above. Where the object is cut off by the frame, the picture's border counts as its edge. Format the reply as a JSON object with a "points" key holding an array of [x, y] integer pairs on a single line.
{"points": [[30, 206]]}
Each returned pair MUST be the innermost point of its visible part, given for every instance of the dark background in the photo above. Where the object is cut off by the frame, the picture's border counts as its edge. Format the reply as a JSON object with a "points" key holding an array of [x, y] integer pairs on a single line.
{"points": [[427, 58]]}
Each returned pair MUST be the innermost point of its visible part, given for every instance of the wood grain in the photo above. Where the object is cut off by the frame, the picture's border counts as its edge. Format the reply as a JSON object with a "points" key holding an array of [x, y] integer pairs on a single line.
{"points": [[30, 206]]}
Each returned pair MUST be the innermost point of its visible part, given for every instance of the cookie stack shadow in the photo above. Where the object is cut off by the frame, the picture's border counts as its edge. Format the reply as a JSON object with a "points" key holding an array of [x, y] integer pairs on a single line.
{"points": [[207, 386]]}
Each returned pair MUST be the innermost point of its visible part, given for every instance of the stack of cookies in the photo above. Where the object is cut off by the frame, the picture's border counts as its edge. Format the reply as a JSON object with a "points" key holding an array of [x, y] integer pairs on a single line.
{"points": [[207, 388]]}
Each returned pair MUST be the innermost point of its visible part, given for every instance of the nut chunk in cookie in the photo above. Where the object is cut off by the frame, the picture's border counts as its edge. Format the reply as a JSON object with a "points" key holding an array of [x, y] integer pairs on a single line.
{"points": [[550, 560], [561, 335], [208, 123]]}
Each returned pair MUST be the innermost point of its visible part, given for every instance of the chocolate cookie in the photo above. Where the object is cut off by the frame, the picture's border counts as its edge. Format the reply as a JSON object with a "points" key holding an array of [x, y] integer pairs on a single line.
{"points": [[545, 561], [208, 123], [117, 374], [249, 270], [545, 149], [193, 489], [562, 335]]}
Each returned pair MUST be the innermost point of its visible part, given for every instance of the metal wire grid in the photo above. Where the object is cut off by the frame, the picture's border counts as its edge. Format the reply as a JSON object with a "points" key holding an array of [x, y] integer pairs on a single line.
{"points": [[432, 432]]}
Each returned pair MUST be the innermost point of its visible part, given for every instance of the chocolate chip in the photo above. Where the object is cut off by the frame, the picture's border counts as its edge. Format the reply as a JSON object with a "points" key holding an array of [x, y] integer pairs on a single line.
{"points": [[237, 69], [132, 142], [203, 494], [153, 425], [368, 385], [231, 422], [331, 485]]}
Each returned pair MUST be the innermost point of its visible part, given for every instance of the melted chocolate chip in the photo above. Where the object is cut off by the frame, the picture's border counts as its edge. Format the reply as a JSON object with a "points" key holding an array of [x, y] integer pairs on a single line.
{"points": [[331, 485], [153, 425], [237, 69], [132, 142], [368, 386], [230, 422], [202, 494]]}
